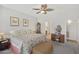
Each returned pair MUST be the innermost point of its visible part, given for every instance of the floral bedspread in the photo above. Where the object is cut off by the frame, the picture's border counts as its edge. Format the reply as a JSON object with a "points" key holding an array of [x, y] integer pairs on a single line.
{"points": [[25, 43]]}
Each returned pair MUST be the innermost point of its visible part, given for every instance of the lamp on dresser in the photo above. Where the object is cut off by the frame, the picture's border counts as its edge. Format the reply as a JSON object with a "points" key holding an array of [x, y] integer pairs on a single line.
{"points": [[46, 27]]}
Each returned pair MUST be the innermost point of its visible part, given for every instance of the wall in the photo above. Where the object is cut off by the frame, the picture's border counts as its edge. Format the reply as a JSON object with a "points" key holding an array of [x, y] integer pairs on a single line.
{"points": [[60, 15], [0, 17], [5, 20]]}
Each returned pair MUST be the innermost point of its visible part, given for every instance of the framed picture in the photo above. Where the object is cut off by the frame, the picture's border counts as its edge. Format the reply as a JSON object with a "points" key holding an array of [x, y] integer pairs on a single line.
{"points": [[25, 22], [14, 21]]}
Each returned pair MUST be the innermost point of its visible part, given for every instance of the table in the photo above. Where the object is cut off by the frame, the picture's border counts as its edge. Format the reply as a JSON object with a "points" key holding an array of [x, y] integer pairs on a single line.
{"points": [[4, 44]]}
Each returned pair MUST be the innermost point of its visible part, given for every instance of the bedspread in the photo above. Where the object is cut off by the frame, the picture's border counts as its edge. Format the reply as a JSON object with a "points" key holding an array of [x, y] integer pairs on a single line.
{"points": [[25, 43]]}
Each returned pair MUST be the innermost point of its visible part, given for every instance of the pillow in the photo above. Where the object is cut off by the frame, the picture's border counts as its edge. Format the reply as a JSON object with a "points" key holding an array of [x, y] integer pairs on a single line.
{"points": [[21, 32]]}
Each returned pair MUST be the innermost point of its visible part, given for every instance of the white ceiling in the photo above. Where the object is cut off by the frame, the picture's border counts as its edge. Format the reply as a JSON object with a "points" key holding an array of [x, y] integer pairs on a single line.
{"points": [[27, 8], [60, 10]]}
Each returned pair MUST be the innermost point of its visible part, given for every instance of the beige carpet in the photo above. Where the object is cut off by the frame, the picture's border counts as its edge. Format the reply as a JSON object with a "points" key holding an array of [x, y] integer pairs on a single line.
{"points": [[69, 47], [7, 51]]}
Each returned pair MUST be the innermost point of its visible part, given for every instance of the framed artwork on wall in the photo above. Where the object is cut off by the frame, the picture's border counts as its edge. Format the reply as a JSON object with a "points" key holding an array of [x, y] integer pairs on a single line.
{"points": [[14, 21], [25, 22]]}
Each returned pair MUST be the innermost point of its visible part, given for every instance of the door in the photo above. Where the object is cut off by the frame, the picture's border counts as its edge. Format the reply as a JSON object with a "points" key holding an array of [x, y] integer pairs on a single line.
{"points": [[72, 31]]}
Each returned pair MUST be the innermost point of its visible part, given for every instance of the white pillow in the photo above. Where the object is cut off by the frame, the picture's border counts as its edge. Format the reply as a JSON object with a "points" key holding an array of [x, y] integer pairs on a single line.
{"points": [[21, 32]]}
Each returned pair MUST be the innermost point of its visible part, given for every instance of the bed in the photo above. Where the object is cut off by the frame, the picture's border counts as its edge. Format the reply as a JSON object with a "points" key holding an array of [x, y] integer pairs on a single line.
{"points": [[22, 41]]}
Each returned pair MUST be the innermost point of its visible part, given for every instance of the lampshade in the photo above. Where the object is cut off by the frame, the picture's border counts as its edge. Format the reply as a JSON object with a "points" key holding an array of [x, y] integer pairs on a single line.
{"points": [[1, 33]]}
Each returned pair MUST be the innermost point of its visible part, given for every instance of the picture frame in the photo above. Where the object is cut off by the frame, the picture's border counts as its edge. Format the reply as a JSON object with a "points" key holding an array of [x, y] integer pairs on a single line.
{"points": [[14, 21], [25, 22]]}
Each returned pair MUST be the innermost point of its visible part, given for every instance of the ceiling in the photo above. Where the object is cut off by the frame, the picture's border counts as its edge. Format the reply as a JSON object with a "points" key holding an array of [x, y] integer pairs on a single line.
{"points": [[59, 10], [27, 8]]}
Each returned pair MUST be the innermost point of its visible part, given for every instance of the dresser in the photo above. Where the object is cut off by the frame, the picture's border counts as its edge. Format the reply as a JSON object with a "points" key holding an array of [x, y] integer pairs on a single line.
{"points": [[53, 37]]}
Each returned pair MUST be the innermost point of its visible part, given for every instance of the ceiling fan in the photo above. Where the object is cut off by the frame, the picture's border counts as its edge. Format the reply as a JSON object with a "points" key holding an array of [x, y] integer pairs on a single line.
{"points": [[43, 9]]}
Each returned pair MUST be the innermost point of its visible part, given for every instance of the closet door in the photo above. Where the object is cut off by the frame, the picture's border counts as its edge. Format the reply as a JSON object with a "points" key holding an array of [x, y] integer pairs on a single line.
{"points": [[72, 31], [77, 31]]}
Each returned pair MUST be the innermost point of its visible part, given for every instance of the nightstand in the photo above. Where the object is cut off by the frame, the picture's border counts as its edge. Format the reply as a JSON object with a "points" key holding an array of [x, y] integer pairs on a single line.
{"points": [[4, 44]]}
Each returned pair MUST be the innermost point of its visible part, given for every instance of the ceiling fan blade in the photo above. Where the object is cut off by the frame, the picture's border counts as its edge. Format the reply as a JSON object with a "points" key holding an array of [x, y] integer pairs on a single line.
{"points": [[38, 12], [49, 9], [36, 9]]}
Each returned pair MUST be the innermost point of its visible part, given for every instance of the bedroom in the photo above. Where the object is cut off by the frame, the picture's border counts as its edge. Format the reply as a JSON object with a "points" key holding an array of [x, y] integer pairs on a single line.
{"points": [[65, 15]]}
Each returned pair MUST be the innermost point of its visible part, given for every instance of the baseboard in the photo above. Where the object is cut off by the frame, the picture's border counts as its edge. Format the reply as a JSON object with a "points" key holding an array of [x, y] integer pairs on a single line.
{"points": [[74, 41]]}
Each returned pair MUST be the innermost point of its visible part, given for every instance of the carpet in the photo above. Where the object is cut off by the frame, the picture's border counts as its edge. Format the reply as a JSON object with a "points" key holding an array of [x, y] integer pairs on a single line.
{"points": [[59, 48]]}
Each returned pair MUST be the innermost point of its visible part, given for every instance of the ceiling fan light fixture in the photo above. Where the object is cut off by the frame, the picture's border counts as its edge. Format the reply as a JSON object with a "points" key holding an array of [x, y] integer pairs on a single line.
{"points": [[42, 12], [43, 9]]}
